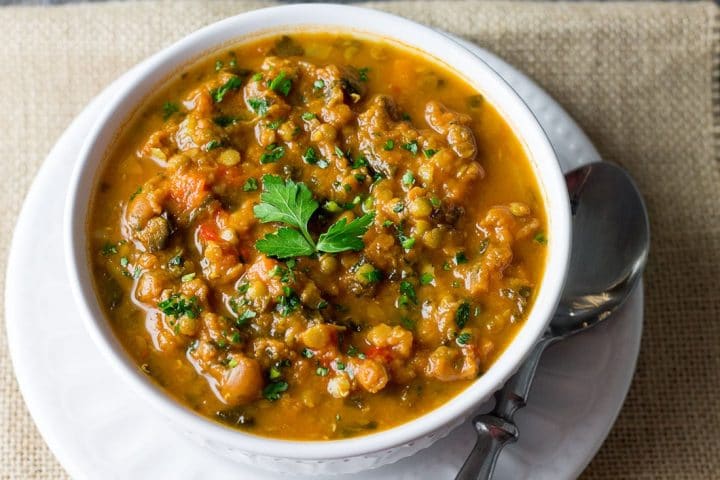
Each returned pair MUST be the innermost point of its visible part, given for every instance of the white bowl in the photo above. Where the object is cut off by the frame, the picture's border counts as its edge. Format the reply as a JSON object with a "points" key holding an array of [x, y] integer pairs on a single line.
{"points": [[353, 454]]}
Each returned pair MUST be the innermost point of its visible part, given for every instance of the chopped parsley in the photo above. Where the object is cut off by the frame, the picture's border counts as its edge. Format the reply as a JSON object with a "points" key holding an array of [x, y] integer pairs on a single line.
{"points": [[408, 178], [426, 278], [250, 185], [187, 277], [177, 306], [281, 84], [389, 145], [310, 156], [109, 249], [460, 258], [322, 371], [308, 116], [219, 93], [169, 109], [212, 145], [411, 147], [318, 84], [429, 152], [407, 294], [540, 238], [225, 120], [463, 338], [307, 353], [259, 105], [363, 73], [462, 315], [272, 154], [482, 248], [272, 391]]}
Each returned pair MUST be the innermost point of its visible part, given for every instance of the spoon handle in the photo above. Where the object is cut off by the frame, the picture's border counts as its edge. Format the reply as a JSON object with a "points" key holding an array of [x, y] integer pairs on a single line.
{"points": [[496, 429]]}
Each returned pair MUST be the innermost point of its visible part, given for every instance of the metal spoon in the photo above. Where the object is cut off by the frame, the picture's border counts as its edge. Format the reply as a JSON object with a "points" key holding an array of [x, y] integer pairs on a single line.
{"points": [[611, 239]]}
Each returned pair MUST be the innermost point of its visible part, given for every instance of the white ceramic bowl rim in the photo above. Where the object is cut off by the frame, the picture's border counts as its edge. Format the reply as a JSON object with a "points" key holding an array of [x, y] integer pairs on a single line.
{"points": [[156, 69]]}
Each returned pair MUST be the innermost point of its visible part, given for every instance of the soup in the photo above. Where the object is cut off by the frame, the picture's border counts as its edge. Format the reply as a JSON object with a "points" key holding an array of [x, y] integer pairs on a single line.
{"points": [[316, 236]]}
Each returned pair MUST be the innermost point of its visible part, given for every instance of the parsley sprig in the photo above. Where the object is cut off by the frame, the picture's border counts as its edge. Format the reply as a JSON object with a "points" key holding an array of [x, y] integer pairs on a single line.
{"points": [[293, 204]]}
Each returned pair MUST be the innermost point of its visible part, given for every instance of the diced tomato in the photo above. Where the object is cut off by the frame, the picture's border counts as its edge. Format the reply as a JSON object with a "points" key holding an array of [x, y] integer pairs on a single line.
{"points": [[208, 232], [262, 267], [381, 354], [188, 190]]}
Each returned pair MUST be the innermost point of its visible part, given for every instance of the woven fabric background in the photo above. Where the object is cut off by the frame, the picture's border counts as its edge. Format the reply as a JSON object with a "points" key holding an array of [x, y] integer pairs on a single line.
{"points": [[639, 78]]}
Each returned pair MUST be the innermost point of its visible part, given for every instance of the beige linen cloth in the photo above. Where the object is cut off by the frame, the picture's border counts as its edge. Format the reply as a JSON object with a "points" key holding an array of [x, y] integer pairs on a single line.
{"points": [[641, 79]]}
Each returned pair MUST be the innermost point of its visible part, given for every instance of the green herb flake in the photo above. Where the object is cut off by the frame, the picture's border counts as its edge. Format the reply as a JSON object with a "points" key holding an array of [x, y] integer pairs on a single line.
{"points": [[259, 105], [233, 83], [307, 353], [273, 153], [389, 145], [339, 365], [177, 306], [407, 294], [257, 77], [463, 338], [322, 371], [399, 207], [308, 116], [243, 318], [232, 363], [408, 243], [136, 193], [462, 315], [212, 145], [429, 152], [109, 249], [274, 373], [408, 323], [318, 84], [273, 391], [460, 258], [219, 65], [540, 238], [250, 185], [363, 73], [281, 84], [187, 277], [169, 109], [124, 262], [435, 201], [339, 152], [426, 278], [310, 157], [411, 147], [225, 120], [408, 178]]}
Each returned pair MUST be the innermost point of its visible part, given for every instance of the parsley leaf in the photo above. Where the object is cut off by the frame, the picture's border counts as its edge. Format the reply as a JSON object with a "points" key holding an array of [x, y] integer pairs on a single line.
{"points": [[176, 306], [293, 204], [169, 109], [259, 105], [273, 153], [462, 315], [273, 390], [411, 147], [285, 243], [250, 185], [281, 84], [342, 236], [287, 202], [219, 93]]}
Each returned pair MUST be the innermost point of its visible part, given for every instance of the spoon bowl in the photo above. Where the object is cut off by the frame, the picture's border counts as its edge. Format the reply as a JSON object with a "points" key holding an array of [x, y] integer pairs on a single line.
{"points": [[611, 240]]}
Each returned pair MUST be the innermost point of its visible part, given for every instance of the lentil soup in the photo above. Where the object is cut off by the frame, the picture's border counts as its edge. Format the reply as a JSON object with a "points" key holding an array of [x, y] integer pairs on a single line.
{"points": [[316, 236]]}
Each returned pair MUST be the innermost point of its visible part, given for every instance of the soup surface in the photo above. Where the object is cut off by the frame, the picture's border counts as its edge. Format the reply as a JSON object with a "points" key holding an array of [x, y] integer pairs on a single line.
{"points": [[316, 236]]}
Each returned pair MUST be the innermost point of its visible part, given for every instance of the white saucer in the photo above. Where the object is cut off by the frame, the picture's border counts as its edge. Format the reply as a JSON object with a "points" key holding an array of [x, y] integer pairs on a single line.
{"points": [[98, 429]]}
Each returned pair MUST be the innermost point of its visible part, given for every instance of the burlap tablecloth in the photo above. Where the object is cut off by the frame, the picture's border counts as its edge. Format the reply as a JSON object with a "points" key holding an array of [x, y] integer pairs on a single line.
{"points": [[641, 79]]}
